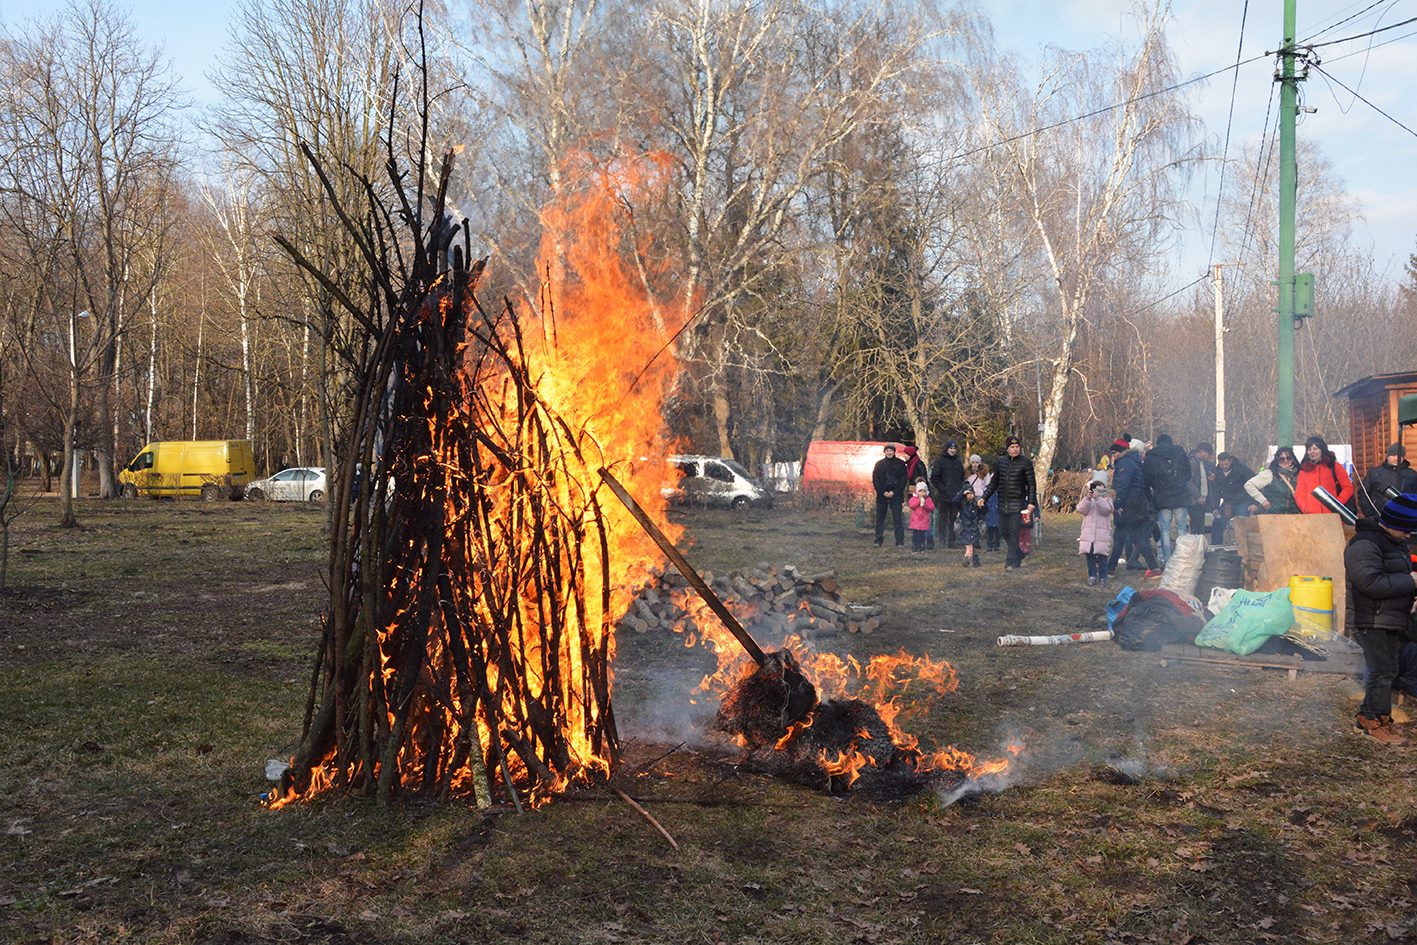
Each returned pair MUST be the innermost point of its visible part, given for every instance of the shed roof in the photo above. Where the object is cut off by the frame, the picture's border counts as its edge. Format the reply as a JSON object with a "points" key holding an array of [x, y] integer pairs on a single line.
{"points": [[1379, 381]]}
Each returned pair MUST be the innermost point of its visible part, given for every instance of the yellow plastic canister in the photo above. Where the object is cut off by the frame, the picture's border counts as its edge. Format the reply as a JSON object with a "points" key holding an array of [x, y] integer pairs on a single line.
{"points": [[1312, 598]]}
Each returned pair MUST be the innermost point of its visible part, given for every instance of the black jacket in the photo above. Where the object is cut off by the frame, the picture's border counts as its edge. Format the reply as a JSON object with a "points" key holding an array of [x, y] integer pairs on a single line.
{"points": [[1014, 481], [1167, 469], [1129, 484], [889, 476], [1370, 494], [1379, 574], [947, 476], [1230, 487]]}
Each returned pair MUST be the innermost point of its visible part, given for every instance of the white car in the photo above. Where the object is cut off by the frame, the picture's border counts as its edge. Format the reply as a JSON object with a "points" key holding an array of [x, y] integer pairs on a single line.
{"points": [[297, 484]]}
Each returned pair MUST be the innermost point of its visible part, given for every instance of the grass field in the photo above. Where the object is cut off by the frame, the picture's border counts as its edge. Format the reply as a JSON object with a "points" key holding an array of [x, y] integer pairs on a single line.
{"points": [[152, 660]]}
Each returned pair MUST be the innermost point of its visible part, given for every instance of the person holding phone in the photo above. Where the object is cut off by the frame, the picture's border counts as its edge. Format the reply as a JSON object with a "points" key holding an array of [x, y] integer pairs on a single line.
{"points": [[1095, 540]]}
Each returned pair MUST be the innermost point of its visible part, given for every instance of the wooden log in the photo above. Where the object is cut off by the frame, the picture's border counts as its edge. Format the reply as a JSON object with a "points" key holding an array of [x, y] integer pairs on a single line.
{"points": [[817, 602]]}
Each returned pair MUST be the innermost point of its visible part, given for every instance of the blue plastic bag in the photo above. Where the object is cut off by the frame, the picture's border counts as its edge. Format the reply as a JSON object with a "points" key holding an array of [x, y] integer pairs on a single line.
{"points": [[1119, 604]]}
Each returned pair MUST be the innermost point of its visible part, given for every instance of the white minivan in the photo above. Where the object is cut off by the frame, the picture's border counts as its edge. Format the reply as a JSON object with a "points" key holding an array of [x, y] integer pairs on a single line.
{"points": [[713, 481]]}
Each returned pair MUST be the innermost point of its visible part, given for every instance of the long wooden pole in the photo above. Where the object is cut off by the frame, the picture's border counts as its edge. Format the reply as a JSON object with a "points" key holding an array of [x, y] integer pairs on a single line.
{"points": [[686, 569]]}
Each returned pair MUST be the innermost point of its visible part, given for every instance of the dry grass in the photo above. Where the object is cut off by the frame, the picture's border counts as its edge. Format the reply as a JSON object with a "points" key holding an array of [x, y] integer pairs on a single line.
{"points": [[151, 662]]}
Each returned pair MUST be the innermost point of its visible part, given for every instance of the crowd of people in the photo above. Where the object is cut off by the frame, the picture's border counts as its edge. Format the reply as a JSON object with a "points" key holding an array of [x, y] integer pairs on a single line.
{"points": [[1143, 492]]}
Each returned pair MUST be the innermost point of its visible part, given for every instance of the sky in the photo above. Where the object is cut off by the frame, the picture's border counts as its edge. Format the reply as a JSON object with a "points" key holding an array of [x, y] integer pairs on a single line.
{"points": [[1370, 152]]}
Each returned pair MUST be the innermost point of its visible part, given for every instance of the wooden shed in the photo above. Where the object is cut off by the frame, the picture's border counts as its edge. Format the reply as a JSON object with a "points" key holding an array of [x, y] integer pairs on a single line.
{"points": [[1373, 417]]}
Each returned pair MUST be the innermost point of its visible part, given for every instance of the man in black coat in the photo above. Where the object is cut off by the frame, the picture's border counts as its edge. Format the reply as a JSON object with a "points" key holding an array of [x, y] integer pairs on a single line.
{"points": [[1167, 470], [1018, 493], [1381, 589], [1394, 473], [888, 478], [1230, 496], [947, 476]]}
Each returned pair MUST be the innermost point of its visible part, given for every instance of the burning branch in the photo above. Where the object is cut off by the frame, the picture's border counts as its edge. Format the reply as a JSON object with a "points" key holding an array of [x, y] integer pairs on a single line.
{"points": [[467, 648]]}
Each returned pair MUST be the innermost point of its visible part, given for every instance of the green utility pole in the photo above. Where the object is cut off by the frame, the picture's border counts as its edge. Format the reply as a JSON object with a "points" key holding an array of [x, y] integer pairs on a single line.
{"points": [[1288, 193]]}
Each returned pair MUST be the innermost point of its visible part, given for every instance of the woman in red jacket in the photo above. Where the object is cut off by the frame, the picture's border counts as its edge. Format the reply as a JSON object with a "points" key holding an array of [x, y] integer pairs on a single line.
{"points": [[1321, 468]]}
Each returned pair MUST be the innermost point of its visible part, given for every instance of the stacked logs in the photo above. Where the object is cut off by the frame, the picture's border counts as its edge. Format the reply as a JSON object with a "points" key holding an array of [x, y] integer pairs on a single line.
{"points": [[773, 603]]}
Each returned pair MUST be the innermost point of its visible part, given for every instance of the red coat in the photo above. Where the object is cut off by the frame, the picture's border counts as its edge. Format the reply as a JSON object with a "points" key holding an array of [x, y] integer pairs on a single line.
{"points": [[1333, 477]]}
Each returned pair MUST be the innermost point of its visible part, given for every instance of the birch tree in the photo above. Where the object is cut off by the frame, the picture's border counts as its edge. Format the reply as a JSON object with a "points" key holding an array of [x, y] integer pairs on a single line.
{"points": [[753, 116], [1099, 193], [89, 155]]}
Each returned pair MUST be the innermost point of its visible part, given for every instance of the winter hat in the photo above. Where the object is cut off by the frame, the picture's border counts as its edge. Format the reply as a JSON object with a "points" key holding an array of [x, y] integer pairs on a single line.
{"points": [[975, 459], [951, 445], [1397, 449], [1011, 441], [1137, 445], [922, 488], [1119, 445], [1400, 514]]}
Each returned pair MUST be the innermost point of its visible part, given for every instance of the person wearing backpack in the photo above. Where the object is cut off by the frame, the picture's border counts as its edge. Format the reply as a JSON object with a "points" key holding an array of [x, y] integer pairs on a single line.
{"points": [[1167, 470]]}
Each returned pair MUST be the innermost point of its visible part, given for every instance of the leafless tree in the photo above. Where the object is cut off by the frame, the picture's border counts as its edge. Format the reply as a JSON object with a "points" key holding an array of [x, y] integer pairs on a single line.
{"points": [[1099, 193], [90, 156]]}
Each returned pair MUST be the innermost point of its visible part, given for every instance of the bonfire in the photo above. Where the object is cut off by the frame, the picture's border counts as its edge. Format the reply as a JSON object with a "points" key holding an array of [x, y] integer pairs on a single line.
{"points": [[478, 563]]}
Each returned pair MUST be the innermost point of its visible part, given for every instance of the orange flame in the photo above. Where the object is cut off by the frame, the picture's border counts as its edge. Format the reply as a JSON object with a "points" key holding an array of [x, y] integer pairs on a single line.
{"points": [[598, 365]]}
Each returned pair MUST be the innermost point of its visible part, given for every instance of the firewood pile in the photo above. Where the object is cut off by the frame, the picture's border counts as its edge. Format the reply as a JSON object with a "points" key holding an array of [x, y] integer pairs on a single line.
{"points": [[774, 603]]}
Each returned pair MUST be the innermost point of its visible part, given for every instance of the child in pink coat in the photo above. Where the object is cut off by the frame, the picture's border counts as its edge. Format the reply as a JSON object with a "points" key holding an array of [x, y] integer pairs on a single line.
{"points": [[921, 506], [1095, 540]]}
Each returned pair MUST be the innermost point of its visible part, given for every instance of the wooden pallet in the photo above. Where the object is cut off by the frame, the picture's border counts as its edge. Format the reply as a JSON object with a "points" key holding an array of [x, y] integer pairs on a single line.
{"points": [[1341, 664]]}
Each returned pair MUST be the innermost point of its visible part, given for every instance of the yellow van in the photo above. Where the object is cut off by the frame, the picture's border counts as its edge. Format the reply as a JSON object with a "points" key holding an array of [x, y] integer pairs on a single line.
{"points": [[212, 469]]}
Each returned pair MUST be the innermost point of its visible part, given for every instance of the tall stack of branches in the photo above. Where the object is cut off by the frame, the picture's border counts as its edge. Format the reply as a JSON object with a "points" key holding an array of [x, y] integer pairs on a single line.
{"points": [[466, 642]]}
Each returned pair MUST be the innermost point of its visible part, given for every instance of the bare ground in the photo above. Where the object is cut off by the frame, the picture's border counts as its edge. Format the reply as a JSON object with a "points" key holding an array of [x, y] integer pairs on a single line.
{"points": [[152, 660]]}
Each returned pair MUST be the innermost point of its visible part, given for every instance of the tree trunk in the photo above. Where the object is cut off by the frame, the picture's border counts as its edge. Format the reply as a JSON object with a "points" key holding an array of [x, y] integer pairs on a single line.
{"points": [[152, 371], [826, 393], [197, 369], [103, 444], [721, 412], [248, 381], [66, 478]]}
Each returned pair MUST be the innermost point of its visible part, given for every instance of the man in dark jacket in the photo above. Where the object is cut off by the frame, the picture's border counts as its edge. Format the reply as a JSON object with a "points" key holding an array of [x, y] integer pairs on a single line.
{"points": [[888, 479], [947, 476], [1167, 470], [1381, 589], [1018, 493], [1201, 487], [1230, 496], [1133, 508], [1394, 473]]}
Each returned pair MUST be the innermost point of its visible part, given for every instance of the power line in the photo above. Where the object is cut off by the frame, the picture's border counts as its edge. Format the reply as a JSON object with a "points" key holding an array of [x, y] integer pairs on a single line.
{"points": [[1365, 51], [1346, 19], [1229, 119], [1108, 108], [1346, 39], [1261, 177], [1360, 98], [1169, 295]]}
